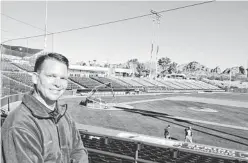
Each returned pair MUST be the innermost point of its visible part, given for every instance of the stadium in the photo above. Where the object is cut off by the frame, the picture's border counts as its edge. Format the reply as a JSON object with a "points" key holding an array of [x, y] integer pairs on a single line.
{"points": [[122, 116], [126, 118]]}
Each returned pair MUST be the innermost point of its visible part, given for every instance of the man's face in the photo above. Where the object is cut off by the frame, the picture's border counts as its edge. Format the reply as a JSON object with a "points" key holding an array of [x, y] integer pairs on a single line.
{"points": [[51, 80]]}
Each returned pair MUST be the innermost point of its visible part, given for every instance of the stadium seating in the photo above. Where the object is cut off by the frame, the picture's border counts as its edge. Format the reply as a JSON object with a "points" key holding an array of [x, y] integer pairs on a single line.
{"points": [[25, 81], [154, 82], [7, 91], [7, 66], [146, 152], [121, 82], [133, 83], [198, 84], [227, 83], [25, 67], [107, 80], [171, 85], [72, 85], [24, 78], [191, 84], [143, 82], [14, 86], [209, 86], [182, 84], [100, 158], [85, 82], [148, 85]]}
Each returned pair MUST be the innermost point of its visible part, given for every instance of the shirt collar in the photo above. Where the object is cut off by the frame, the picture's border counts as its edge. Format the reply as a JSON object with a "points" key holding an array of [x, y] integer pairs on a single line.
{"points": [[41, 111]]}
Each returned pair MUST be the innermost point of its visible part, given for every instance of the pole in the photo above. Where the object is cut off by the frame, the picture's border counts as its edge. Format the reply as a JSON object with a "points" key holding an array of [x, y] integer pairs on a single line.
{"points": [[151, 58], [154, 58], [45, 39], [138, 147], [52, 44], [230, 77], [8, 105]]}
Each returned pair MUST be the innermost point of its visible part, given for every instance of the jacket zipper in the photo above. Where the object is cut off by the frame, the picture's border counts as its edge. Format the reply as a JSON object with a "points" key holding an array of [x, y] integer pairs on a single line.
{"points": [[58, 136], [57, 128]]}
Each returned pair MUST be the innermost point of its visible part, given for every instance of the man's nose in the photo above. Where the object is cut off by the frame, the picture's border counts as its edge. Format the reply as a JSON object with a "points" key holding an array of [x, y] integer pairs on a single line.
{"points": [[58, 82]]}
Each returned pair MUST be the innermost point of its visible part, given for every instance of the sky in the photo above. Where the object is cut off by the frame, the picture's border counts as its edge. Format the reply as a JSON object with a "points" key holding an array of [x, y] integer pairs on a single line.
{"points": [[213, 34]]}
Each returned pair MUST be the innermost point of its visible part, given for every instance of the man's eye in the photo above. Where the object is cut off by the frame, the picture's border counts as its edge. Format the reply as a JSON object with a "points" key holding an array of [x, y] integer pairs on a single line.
{"points": [[51, 76]]}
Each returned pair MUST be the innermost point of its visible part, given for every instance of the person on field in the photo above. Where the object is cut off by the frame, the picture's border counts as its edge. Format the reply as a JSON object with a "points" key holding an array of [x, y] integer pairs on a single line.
{"points": [[188, 135], [40, 130], [167, 132]]}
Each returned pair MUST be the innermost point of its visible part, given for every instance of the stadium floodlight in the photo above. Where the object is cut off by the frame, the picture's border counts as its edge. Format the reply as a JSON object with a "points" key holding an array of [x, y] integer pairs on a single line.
{"points": [[154, 57]]}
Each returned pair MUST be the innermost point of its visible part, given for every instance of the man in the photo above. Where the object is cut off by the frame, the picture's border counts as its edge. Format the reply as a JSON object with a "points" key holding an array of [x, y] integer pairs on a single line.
{"points": [[167, 132], [39, 130], [188, 134]]}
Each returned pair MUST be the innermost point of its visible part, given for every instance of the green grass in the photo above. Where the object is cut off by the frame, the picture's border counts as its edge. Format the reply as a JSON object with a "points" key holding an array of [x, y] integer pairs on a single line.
{"points": [[154, 125]]}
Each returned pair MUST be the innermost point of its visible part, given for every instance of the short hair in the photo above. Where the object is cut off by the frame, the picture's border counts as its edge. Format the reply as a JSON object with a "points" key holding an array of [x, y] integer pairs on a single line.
{"points": [[55, 56]]}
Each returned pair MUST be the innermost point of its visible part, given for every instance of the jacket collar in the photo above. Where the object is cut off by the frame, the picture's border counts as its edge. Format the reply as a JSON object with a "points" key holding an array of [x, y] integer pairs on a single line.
{"points": [[39, 110]]}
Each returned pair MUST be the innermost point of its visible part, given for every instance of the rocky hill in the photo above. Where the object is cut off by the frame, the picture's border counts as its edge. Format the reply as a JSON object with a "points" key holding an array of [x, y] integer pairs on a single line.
{"points": [[216, 70], [235, 70], [196, 69]]}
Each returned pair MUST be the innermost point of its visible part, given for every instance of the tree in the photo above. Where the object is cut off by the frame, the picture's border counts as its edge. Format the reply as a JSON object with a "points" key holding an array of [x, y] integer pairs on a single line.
{"points": [[141, 70], [172, 68], [107, 65], [164, 63], [132, 64], [138, 68], [82, 63]]}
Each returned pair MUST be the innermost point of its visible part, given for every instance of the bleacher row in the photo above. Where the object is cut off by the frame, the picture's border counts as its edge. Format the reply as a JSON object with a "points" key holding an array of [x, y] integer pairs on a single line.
{"points": [[8, 66], [16, 77], [223, 84], [129, 82], [145, 152], [11, 86]]}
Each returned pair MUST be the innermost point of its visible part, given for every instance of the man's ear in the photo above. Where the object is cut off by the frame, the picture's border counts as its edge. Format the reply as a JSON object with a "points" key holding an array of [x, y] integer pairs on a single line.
{"points": [[34, 77]]}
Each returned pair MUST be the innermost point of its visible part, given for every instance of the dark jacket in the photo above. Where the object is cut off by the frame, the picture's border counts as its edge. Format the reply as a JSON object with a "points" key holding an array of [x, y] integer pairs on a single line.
{"points": [[30, 134]]}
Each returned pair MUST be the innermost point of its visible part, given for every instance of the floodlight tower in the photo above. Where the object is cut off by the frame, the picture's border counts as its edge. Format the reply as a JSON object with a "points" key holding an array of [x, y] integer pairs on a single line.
{"points": [[154, 54]]}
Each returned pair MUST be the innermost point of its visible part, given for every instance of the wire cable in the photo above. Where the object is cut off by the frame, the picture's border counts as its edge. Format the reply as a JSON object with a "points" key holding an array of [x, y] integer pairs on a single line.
{"points": [[112, 22], [22, 21]]}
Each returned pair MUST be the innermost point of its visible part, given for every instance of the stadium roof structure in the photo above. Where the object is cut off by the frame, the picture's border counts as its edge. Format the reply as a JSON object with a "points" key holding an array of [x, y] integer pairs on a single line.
{"points": [[18, 51]]}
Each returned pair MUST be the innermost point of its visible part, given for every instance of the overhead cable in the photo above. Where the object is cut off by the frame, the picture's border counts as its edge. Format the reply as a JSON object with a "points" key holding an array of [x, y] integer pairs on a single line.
{"points": [[112, 22]]}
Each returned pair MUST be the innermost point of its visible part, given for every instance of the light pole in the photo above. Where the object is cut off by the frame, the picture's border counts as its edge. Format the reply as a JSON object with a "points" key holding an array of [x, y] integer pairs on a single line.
{"points": [[154, 57]]}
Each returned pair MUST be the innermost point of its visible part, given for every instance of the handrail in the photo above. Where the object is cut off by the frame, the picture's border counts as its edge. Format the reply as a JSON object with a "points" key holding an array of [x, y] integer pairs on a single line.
{"points": [[119, 155], [86, 132]]}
